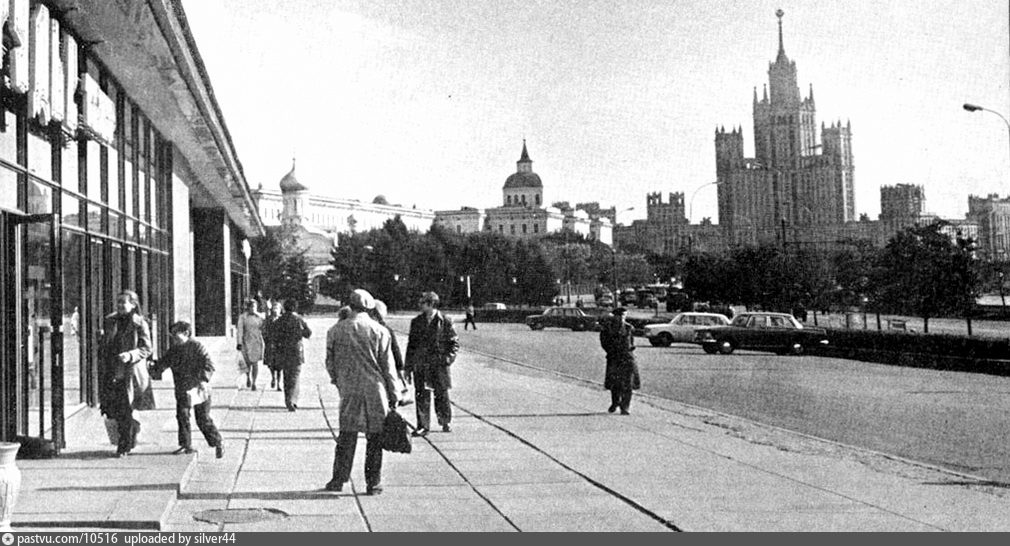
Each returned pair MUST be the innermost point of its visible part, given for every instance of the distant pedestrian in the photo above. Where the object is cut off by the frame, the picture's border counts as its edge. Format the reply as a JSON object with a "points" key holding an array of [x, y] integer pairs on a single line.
{"points": [[274, 310], [431, 349], [469, 318], [191, 372], [621, 377], [360, 364], [287, 333], [123, 354], [250, 340]]}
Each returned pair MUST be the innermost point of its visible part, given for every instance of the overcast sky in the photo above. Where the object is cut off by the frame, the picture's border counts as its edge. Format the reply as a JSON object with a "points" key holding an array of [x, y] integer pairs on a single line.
{"points": [[427, 102]]}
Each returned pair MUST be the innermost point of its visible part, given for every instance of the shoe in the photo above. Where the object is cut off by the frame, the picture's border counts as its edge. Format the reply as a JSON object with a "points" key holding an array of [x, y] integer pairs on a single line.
{"points": [[273, 383], [625, 412], [420, 432], [446, 428], [292, 408], [219, 451], [334, 485], [376, 490], [184, 450], [611, 409], [254, 387]]}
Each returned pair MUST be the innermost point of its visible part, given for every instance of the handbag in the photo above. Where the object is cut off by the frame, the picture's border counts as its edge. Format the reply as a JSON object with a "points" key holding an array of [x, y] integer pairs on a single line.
{"points": [[395, 436], [140, 390]]}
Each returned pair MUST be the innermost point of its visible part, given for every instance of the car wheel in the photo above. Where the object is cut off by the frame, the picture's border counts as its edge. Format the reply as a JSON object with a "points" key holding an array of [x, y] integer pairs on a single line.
{"points": [[536, 326], [710, 348], [664, 340], [796, 348], [726, 346]]}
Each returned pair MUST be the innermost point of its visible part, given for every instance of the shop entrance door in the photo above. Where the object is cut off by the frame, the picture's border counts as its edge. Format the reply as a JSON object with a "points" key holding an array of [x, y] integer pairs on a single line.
{"points": [[26, 334]]}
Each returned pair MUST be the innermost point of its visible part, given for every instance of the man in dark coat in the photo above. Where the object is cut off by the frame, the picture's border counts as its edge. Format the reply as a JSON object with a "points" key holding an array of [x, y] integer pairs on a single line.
{"points": [[286, 334], [621, 378], [431, 349]]}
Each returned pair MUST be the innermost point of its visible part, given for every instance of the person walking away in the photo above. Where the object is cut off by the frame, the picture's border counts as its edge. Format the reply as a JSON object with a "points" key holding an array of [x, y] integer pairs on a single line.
{"points": [[378, 314], [431, 349], [274, 311], [287, 333], [192, 370], [618, 341], [469, 320], [125, 343], [360, 364], [250, 340]]}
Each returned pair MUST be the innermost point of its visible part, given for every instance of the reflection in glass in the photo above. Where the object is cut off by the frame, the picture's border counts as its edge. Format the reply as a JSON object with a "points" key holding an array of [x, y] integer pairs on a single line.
{"points": [[40, 157], [35, 297], [95, 218], [40, 198], [73, 306], [70, 162], [71, 210]]}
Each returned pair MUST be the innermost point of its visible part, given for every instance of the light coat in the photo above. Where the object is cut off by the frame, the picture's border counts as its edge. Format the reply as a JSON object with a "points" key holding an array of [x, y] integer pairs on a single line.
{"points": [[250, 336], [360, 364]]}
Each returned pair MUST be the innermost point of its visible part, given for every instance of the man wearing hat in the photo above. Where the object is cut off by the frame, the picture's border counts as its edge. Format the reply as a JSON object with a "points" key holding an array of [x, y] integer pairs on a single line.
{"points": [[431, 349], [621, 377], [360, 364]]}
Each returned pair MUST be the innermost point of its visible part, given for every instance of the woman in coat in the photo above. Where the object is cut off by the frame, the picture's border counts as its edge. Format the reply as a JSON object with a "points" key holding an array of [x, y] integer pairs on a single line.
{"points": [[250, 340], [286, 334], [124, 350], [274, 309], [618, 340]]}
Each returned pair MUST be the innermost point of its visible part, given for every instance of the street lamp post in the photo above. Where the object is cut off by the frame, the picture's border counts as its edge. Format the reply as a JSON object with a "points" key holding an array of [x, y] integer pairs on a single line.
{"points": [[690, 206], [975, 108]]}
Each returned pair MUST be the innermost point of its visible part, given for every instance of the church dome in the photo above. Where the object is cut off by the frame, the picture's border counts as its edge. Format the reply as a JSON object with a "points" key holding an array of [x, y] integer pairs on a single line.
{"points": [[523, 180], [290, 183]]}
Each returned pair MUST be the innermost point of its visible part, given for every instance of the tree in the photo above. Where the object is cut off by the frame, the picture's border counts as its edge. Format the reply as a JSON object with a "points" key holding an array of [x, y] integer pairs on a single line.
{"points": [[923, 273], [279, 247]]}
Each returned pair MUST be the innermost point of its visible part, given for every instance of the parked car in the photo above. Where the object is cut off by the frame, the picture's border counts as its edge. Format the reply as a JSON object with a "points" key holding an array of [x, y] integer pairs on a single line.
{"points": [[629, 298], [495, 306], [681, 328], [646, 299], [563, 317], [778, 332], [606, 300]]}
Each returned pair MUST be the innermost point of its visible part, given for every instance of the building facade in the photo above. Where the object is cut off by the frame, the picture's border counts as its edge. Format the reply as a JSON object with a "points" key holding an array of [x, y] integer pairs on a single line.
{"points": [[524, 214], [113, 153], [991, 214], [792, 179]]}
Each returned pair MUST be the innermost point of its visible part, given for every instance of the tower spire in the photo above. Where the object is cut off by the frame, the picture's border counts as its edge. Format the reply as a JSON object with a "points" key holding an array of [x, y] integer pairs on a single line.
{"points": [[782, 50]]}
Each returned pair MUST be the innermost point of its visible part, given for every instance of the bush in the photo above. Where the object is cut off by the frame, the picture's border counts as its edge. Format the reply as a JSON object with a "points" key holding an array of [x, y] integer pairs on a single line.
{"points": [[941, 352]]}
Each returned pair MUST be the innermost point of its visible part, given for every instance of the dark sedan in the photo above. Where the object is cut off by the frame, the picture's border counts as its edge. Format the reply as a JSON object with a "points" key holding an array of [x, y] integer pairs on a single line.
{"points": [[778, 332], [563, 317]]}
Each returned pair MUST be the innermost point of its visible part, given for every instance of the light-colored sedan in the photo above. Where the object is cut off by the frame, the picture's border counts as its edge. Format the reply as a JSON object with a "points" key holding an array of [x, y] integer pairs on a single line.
{"points": [[681, 328]]}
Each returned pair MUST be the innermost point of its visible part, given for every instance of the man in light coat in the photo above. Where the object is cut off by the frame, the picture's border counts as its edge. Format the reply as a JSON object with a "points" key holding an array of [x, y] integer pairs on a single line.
{"points": [[431, 349], [360, 364]]}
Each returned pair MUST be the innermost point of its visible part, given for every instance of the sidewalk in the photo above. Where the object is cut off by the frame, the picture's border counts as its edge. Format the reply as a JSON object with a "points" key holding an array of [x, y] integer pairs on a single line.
{"points": [[530, 451]]}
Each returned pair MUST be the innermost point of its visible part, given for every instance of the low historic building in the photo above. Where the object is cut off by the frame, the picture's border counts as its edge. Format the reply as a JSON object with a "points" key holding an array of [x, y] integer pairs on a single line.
{"points": [[523, 212]]}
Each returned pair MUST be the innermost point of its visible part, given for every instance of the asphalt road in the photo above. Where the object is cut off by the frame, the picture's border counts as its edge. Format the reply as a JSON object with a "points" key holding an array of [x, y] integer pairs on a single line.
{"points": [[955, 420]]}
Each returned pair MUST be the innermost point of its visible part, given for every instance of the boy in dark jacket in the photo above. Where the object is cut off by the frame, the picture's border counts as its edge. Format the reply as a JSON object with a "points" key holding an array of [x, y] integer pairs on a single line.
{"points": [[191, 369]]}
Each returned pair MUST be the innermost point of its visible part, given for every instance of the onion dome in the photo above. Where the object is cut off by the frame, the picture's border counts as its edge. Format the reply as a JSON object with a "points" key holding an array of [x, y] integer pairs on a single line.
{"points": [[289, 183]]}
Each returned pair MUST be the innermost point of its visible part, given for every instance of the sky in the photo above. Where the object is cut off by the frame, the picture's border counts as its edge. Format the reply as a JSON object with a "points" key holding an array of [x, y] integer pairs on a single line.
{"points": [[428, 102]]}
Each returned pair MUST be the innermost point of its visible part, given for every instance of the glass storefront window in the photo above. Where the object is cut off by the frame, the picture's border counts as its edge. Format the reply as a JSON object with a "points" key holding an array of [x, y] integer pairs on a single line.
{"points": [[69, 177], [94, 163], [114, 201], [94, 213], [74, 305], [8, 152], [40, 157], [115, 227], [71, 210], [131, 234], [40, 198]]}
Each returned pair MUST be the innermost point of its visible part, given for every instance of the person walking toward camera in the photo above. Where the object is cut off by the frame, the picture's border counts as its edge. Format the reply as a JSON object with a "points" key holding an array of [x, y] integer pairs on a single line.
{"points": [[269, 360], [287, 333], [125, 344], [360, 364], [191, 371], [431, 349], [250, 340], [618, 341]]}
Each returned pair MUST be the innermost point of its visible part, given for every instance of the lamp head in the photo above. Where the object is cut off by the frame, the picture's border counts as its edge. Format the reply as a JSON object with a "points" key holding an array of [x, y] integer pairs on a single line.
{"points": [[972, 107]]}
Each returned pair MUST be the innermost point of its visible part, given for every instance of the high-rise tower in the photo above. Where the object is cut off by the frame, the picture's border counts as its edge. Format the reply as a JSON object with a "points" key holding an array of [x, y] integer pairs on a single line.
{"points": [[792, 179]]}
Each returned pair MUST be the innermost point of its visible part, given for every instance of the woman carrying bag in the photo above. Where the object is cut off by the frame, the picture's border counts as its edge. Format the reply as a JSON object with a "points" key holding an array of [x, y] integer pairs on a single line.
{"points": [[124, 383]]}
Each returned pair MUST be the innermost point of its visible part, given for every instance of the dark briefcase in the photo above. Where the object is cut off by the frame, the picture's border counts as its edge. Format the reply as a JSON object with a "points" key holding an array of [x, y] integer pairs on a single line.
{"points": [[395, 436]]}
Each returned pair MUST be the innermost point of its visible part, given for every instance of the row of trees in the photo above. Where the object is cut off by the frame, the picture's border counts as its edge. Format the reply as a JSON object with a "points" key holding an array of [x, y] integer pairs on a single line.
{"points": [[921, 271]]}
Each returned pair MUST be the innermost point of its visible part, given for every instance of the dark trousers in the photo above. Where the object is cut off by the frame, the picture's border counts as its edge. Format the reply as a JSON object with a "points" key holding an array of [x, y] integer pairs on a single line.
{"points": [[343, 457], [443, 411], [203, 421], [291, 386], [468, 321], [620, 398], [122, 412]]}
